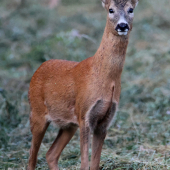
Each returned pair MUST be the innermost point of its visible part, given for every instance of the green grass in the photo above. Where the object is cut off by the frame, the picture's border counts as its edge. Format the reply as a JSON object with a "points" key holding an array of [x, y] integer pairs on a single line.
{"points": [[140, 135]]}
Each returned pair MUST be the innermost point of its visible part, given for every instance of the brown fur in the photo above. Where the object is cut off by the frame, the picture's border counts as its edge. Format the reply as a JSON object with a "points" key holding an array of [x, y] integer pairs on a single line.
{"points": [[73, 95], [121, 2]]}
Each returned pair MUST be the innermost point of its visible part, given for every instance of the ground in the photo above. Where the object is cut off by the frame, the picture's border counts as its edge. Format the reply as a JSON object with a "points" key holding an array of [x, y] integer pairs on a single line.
{"points": [[34, 32]]}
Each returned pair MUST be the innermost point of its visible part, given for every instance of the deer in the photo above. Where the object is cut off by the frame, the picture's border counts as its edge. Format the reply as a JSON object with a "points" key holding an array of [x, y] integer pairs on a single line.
{"points": [[82, 95]]}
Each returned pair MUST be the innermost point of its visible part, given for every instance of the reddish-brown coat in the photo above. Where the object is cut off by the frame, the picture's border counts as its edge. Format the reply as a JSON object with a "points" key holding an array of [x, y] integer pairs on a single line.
{"points": [[72, 95]]}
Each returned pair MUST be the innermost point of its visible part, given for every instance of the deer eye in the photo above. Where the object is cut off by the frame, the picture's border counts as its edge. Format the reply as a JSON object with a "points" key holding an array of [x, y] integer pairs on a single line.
{"points": [[130, 10], [111, 11]]}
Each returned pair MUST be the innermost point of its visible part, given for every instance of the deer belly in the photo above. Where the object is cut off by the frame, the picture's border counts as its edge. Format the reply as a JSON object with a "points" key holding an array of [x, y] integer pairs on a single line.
{"points": [[62, 115]]}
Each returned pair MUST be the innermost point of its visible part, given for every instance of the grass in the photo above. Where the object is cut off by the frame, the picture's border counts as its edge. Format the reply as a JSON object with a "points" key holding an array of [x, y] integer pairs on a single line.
{"points": [[140, 135]]}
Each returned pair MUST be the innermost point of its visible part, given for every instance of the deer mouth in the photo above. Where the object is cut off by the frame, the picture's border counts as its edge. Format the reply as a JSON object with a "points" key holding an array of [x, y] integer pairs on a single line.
{"points": [[120, 32], [122, 28]]}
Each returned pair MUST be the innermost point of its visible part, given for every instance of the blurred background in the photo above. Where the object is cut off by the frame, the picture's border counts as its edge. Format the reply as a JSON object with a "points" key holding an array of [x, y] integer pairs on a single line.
{"points": [[34, 31]]}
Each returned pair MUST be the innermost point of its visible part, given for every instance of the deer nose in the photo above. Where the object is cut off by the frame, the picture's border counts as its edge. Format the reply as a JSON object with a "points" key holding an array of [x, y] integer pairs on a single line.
{"points": [[122, 27]]}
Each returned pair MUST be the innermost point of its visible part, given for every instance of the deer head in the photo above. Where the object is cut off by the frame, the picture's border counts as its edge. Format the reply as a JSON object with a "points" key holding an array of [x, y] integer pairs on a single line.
{"points": [[120, 15]]}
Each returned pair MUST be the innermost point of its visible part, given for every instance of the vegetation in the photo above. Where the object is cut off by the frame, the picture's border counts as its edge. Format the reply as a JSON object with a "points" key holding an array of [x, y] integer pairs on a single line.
{"points": [[32, 33]]}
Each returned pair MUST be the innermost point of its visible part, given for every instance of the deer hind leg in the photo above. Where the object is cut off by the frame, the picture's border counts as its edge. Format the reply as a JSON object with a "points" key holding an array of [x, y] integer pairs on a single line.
{"points": [[99, 135], [58, 145], [39, 126]]}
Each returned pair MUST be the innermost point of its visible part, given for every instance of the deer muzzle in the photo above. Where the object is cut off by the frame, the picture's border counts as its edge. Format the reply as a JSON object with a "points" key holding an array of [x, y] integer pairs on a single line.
{"points": [[122, 28]]}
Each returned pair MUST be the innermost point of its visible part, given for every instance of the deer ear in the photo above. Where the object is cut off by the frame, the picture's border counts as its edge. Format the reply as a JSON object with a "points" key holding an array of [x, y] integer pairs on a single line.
{"points": [[135, 3], [104, 3]]}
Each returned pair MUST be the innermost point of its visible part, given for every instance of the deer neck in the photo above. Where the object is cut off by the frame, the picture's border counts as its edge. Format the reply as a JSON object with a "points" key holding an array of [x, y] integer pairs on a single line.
{"points": [[110, 56]]}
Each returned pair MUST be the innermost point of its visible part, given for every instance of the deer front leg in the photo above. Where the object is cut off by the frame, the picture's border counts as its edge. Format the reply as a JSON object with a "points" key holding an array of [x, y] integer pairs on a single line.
{"points": [[97, 143], [84, 146], [99, 135]]}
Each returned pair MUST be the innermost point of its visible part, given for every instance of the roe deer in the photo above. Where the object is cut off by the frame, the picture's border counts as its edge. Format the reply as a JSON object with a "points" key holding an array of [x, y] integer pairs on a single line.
{"points": [[81, 94]]}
